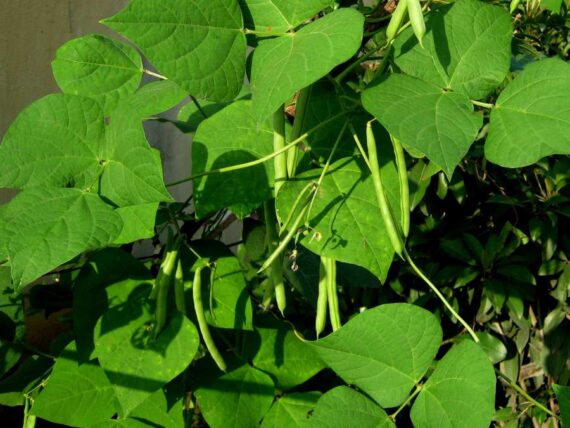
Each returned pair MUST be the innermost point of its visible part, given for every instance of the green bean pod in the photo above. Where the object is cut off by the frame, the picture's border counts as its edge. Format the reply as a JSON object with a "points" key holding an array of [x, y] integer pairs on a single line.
{"points": [[179, 298], [396, 20], [162, 286], [332, 292], [404, 186], [322, 300], [280, 161], [387, 216], [417, 19], [276, 269], [202, 324]]}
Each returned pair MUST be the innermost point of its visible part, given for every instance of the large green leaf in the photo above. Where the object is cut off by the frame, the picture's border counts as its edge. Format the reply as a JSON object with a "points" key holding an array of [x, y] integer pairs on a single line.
{"points": [[344, 407], [231, 137], [291, 411], [467, 48], [53, 142], [345, 217], [384, 351], [279, 15], [61, 141], [530, 119], [460, 392], [237, 399], [76, 395], [440, 124], [286, 64], [199, 44], [563, 397], [67, 223], [160, 410], [98, 67], [284, 356], [132, 173], [136, 363]]}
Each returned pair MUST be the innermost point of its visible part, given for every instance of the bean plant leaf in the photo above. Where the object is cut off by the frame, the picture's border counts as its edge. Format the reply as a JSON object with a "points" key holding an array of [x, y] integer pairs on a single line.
{"points": [[467, 48], [291, 411], [179, 37], [98, 67], [136, 363], [138, 222], [279, 15], [53, 142], [158, 410], [563, 397], [460, 392], [69, 222], [75, 394], [284, 356], [440, 124], [154, 98], [344, 218], [237, 399], [384, 351], [343, 406], [132, 170], [283, 65], [530, 119], [232, 137]]}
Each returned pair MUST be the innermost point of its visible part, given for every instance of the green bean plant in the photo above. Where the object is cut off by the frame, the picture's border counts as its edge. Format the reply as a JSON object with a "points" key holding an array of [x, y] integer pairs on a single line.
{"points": [[398, 173]]}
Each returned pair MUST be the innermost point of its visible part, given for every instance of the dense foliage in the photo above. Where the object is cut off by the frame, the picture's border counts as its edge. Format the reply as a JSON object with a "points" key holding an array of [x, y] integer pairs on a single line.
{"points": [[399, 172]]}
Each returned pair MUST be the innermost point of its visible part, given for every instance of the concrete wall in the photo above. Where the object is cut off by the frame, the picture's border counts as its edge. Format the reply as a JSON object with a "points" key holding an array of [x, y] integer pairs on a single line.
{"points": [[30, 33]]}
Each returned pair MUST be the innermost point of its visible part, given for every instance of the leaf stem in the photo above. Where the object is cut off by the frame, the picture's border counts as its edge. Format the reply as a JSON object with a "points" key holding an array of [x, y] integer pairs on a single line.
{"points": [[441, 297], [266, 33], [153, 74], [198, 106], [408, 400], [482, 104], [355, 64], [525, 394], [260, 160]]}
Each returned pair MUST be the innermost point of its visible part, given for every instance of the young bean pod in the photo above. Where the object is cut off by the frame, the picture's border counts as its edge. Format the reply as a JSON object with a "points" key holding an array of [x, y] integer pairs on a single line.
{"points": [[404, 186], [179, 298], [322, 301], [280, 161], [332, 292], [202, 324], [417, 19], [387, 217], [276, 269], [396, 20], [162, 285]]}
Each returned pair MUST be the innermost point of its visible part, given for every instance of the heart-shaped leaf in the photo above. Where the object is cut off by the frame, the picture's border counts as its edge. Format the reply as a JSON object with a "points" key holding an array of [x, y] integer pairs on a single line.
{"points": [[384, 351], [286, 64], [467, 48], [440, 124], [530, 119], [460, 392], [98, 67], [136, 363], [199, 44]]}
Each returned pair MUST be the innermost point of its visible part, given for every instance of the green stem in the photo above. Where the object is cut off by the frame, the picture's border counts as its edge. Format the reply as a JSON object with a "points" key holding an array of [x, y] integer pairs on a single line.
{"points": [[359, 144], [298, 125], [260, 160], [284, 242], [153, 74], [29, 420], [354, 64], [276, 269], [525, 394], [267, 33], [202, 324], [482, 104], [441, 297], [199, 107], [408, 401], [280, 161], [404, 186]]}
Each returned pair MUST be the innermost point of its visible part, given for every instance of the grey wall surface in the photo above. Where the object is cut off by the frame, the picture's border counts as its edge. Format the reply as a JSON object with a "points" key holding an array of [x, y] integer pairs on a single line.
{"points": [[30, 33]]}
